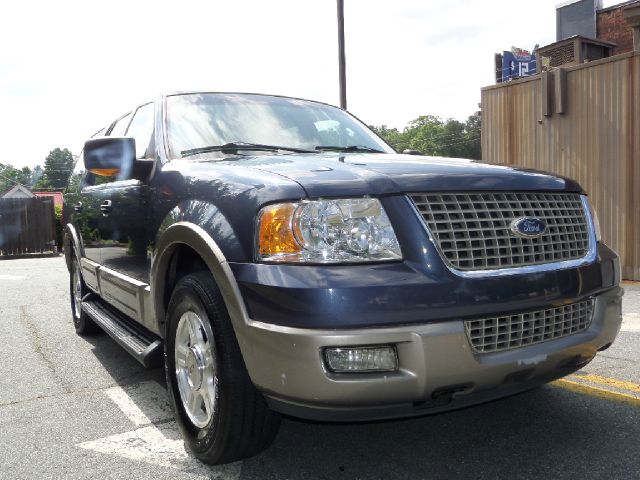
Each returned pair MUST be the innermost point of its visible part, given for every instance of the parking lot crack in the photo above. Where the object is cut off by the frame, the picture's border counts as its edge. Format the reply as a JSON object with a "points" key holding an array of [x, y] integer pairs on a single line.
{"points": [[36, 342], [619, 359], [77, 391]]}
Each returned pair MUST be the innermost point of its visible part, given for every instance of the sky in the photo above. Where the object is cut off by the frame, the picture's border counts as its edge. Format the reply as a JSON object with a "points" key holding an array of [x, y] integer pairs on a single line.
{"points": [[68, 68]]}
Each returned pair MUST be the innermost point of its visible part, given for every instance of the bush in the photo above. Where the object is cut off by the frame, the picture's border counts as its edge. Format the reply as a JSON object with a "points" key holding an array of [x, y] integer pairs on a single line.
{"points": [[58, 212]]}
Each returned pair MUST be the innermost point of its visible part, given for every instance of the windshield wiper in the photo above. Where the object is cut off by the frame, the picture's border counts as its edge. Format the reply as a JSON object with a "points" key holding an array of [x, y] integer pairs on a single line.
{"points": [[350, 148], [233, 147]]}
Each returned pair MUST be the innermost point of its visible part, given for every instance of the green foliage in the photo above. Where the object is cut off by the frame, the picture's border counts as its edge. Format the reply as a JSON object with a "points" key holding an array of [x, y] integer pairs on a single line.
{"points": [[57, 169], [433, 136], [9, 176], [58, 214]]}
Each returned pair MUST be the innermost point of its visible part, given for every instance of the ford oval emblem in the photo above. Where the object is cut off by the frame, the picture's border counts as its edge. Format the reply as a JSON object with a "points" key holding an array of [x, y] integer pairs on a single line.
{"points": [[528, 227]]}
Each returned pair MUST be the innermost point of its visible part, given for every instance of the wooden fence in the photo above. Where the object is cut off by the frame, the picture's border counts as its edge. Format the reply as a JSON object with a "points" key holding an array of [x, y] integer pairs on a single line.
{"points": [[27, 225], [581, 122]]}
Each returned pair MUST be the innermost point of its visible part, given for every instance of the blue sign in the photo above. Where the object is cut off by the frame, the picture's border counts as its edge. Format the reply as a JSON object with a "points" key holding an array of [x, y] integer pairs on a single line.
{"points": [[517, 63]]}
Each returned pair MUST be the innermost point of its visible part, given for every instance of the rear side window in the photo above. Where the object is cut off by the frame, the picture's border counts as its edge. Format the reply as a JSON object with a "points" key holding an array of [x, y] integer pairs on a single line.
{"points": [[121, 126], [141, 129]]}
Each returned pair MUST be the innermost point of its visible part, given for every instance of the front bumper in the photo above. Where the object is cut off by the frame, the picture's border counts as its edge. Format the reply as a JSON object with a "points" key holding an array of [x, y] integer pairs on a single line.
{"points": [[437, 369]]}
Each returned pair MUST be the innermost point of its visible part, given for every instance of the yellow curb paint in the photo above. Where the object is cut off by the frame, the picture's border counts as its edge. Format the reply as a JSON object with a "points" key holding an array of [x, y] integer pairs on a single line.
{"points": [[598, 392], [608, 382]]}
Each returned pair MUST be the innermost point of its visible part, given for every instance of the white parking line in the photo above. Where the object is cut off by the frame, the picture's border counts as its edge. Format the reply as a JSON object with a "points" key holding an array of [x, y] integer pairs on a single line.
{"points": [[11, 277], [150, 405], [144, 404], [631, 322]]}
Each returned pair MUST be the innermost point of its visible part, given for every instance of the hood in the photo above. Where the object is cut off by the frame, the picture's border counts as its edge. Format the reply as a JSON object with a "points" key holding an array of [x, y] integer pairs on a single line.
{"points": [[335, 174]]}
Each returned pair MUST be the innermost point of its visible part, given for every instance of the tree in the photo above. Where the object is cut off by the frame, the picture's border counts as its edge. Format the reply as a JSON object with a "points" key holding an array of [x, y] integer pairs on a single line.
{"points": [[10, 176], [433, 136], [391, 135], [36, 175], [58, 167]]}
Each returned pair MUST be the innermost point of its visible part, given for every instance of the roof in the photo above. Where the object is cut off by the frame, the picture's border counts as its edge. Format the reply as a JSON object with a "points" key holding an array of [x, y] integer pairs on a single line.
{"points": [[566, 3], [58, 200], [200, 92], [619, 5], [594, 41], [17, 191]]}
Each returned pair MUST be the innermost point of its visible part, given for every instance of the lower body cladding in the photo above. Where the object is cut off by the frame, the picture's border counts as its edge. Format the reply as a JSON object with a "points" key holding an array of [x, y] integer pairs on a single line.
{"points": [[437, 368]]}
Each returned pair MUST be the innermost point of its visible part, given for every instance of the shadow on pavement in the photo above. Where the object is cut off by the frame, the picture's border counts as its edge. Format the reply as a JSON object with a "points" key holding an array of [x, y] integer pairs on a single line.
{"points": [[121, 366], [546, 433]]}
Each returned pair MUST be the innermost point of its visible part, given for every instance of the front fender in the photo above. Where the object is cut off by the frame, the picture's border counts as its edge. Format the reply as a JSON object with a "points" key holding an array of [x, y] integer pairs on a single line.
{"points": [[195, 237], [212, 221], [71, 242]]}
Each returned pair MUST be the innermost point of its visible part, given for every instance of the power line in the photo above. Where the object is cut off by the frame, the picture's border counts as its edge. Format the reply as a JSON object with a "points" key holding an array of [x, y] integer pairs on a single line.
{"points": [[15, 182], [461, 142], [445, 135], [451, 135]]}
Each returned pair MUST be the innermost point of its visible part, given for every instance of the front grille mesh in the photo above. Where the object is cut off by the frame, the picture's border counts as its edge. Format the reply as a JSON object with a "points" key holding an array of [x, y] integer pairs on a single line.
{"points": [[473, 232], [496, 334]]}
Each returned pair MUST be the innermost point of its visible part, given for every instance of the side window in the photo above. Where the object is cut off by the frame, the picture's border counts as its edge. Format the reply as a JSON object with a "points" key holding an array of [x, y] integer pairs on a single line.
{"points": [[121, 126], [141, 129]]}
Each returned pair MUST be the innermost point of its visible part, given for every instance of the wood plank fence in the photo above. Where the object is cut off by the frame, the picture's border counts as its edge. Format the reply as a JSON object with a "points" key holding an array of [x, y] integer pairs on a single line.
{"points": [[582, 122], [27, 225]]}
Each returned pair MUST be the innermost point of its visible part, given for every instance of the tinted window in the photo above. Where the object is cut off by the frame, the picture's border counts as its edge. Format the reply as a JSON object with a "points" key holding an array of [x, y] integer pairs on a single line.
{"points": [[121, 126], [202, 120], [141, 128]]}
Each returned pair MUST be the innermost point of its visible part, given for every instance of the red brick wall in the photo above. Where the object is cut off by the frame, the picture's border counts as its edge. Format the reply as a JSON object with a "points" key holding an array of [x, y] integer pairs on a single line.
{"points": [[611, 26]]}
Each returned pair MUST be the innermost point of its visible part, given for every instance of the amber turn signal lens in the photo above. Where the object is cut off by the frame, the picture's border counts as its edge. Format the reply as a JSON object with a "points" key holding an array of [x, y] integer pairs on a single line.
{"points": [[276, 234], [104, 172]]}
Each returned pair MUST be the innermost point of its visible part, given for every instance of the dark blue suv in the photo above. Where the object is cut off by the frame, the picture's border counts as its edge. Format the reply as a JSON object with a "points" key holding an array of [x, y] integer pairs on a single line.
{"points": [[276, 256]]}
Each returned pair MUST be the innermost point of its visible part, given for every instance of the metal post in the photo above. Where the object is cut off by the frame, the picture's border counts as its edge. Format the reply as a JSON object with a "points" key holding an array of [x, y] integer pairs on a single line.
{"points": [[341, 56]]}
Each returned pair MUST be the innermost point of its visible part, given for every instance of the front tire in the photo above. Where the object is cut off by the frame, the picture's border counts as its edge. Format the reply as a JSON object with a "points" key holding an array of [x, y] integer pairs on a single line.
{"points": [[78, 289], [222, 416]]}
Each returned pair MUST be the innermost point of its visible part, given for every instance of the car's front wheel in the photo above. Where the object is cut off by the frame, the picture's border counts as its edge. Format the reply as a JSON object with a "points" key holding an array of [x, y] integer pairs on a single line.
{"points": [[222, 416], [81, 321]]}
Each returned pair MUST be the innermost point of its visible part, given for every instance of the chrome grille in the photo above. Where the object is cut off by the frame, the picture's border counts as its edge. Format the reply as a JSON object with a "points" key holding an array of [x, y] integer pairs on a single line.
{"points": [[473, 232], [496, 334]]}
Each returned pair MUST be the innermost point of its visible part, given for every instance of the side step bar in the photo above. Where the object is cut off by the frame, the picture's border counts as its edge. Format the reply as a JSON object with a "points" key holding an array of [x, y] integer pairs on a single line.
{"points": [[145, 346]]}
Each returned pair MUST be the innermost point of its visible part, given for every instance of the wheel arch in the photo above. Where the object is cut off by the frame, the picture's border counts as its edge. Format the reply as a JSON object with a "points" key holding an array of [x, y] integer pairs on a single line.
{"points": [[189, 237], [71, 242]]}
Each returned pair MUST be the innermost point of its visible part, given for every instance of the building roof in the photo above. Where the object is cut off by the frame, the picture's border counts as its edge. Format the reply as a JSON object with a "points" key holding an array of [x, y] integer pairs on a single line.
{"points": [[594, 41], [619, 5], [17, 191], [57, 197]]}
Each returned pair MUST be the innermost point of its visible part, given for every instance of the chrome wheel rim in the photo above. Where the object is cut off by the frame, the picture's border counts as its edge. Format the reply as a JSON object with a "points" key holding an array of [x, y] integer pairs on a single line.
{"points": [[77, 290], [195, 368]]}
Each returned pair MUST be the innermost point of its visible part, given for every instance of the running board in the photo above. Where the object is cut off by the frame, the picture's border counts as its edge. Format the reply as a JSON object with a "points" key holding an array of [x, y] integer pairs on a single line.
{"points": [[145, 346]]}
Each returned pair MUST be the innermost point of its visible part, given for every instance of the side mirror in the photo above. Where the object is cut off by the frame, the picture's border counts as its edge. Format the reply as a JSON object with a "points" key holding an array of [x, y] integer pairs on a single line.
{"points": [[108, 156], [412, 152]]}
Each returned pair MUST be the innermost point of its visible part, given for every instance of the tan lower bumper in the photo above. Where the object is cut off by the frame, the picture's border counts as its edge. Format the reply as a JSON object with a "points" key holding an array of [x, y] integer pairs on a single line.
{"points": [[437, 367]]}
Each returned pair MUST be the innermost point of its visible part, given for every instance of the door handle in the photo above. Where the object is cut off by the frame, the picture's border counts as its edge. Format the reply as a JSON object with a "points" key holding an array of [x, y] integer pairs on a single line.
{"points": [[78, 207], [105, 207]]}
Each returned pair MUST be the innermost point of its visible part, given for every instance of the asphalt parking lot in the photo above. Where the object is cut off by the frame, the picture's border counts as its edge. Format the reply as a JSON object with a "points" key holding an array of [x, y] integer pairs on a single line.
{"points": [[73, 407]]}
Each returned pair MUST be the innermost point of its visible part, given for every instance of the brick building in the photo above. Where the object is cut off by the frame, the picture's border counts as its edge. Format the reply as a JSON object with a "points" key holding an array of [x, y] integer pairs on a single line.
{"points": [[613, 27]]}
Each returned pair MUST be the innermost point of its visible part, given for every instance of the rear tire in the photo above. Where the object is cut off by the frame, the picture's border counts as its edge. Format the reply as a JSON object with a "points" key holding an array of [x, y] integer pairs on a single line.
{"points": [[78, 289], [222, 416]]}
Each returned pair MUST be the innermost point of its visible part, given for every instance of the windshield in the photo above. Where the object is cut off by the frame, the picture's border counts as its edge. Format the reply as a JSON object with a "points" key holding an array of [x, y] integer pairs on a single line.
{"points": [[211, 119]]}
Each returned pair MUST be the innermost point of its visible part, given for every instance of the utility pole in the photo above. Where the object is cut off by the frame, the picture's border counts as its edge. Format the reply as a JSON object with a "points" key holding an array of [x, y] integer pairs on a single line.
{"points": [[341, 56]]}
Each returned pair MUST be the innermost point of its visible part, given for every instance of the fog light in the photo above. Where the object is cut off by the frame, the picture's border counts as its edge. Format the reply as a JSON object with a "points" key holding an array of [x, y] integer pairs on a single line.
{"points": [[361, 359]]}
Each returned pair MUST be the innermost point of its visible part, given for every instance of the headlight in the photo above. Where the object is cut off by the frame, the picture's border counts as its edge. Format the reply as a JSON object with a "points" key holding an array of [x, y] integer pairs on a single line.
{"points": [[596, 223], [326, 231]]}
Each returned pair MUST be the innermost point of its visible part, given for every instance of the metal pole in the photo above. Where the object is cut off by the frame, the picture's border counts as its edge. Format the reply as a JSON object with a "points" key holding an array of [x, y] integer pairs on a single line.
{"points": [[341, 56]]}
